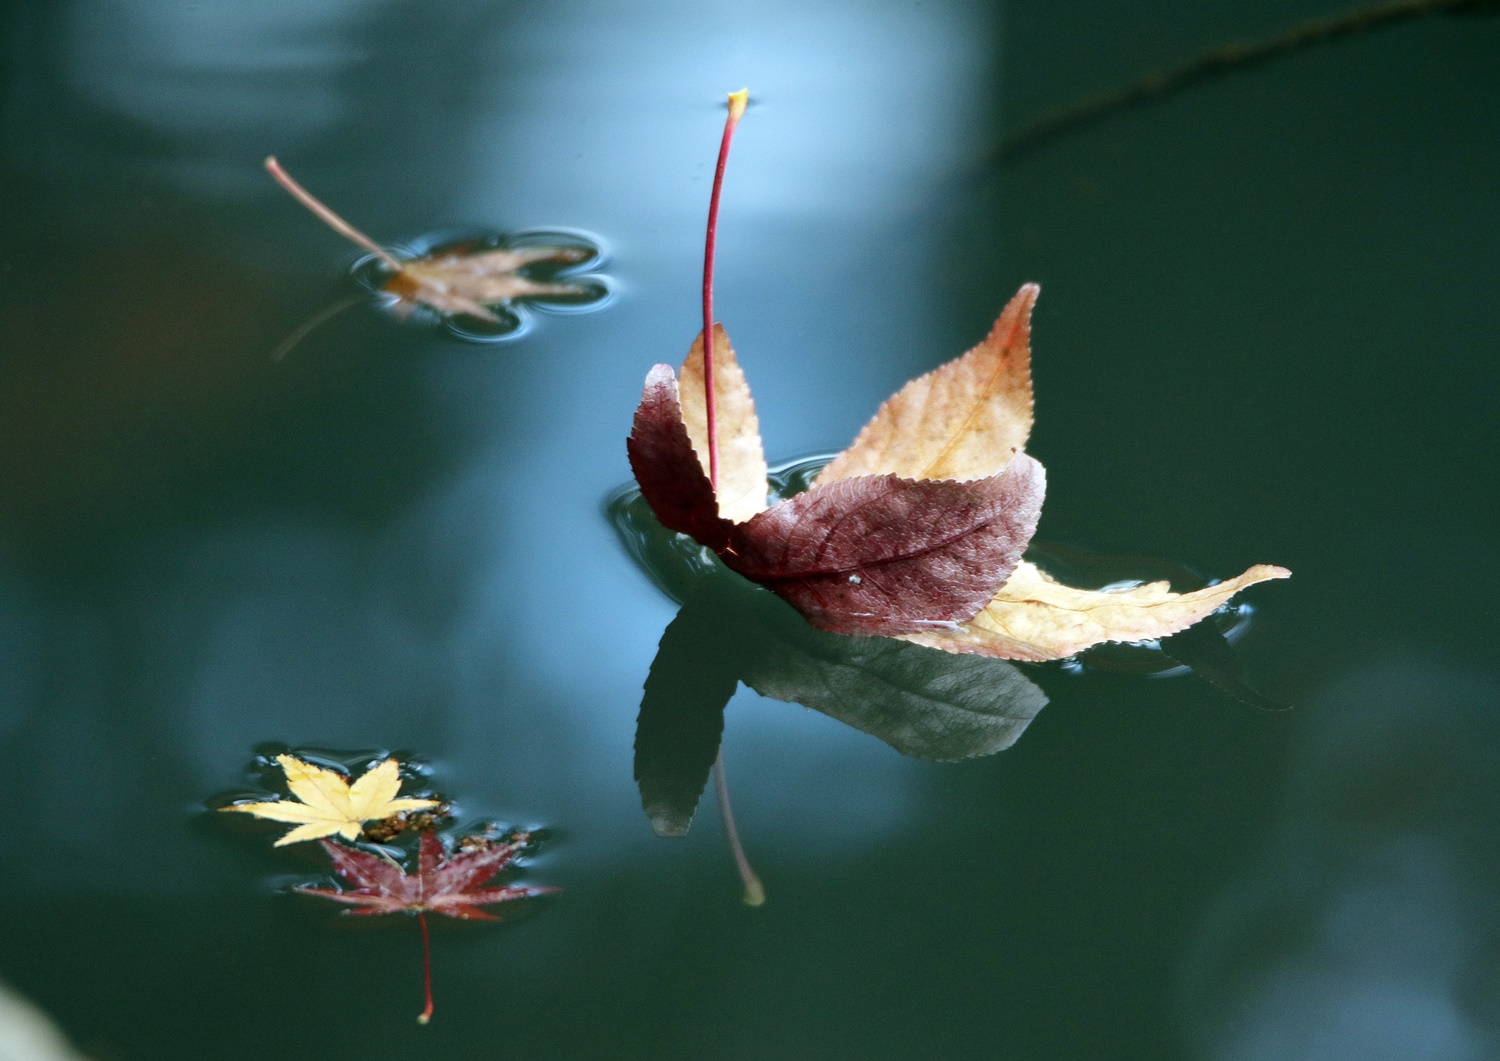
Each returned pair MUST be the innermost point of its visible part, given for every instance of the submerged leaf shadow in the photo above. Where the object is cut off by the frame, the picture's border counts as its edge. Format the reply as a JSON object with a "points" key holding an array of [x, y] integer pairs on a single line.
{"points": [[923, 702]]}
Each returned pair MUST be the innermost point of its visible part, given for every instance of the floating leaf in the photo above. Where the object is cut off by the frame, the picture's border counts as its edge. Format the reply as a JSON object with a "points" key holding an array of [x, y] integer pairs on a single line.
{"points": [[876, 554], [915, 531], [453, 281], [471, 281], [330, 804], [451, 885], [886, 555], [1035, 617]]}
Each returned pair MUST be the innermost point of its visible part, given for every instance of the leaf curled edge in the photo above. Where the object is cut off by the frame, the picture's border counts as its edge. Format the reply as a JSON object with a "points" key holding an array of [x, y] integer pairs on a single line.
{"points": [[667, 468], [742, 458], [1034, 617]]}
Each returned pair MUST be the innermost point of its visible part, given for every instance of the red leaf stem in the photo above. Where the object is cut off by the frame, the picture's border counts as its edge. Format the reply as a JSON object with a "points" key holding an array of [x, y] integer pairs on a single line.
{"points": [[737, 102], [426, 1014]]}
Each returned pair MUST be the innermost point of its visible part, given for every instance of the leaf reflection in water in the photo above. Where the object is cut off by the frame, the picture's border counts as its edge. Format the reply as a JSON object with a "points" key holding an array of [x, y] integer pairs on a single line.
{"points": [[922, 702]]}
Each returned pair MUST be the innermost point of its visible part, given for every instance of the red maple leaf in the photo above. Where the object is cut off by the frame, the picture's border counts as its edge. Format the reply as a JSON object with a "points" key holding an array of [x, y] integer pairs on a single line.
{"points": [[443, 884]]}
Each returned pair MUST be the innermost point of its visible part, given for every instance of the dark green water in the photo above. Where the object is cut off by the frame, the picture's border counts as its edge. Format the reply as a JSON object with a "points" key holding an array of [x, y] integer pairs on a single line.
{"points": [[1267, 334]]}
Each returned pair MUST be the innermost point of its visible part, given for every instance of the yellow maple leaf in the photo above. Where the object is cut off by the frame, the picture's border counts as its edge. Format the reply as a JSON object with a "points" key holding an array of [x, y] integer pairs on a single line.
{"points": [[329, 803]]}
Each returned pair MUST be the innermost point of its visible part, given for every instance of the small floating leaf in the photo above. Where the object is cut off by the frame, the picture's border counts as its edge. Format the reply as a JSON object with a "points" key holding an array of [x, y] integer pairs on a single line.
{"points": [[451, 885], [330, 804], [445, 884], [471, 280]]}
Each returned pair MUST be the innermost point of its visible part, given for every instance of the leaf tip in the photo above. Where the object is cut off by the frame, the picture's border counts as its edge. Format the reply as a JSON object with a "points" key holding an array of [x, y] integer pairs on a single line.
{"points": [[666, 822], [1015, 319], [1264, 573], [660, 376]]}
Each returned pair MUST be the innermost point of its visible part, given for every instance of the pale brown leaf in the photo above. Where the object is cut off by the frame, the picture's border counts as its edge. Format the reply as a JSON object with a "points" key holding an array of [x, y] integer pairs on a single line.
{"points": [[450, 281], [455, 282], [963, 420], [742, 460], [1035, 617]]}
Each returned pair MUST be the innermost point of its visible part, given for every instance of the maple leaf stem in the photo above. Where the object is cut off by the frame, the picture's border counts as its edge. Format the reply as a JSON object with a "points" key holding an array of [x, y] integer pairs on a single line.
{"points": [[328, 217], [737, 101], [426, 1014], [322, 317], [755, 891]]}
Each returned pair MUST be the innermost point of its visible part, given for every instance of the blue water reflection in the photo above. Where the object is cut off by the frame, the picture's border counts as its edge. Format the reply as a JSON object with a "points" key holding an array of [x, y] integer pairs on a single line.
{"points": [[457, 626], [1365, 929], [1264, 338]]}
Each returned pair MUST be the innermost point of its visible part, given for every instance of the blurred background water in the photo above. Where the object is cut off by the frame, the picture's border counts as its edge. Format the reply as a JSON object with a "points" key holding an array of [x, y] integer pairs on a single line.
{"points": [[1266, 335]]}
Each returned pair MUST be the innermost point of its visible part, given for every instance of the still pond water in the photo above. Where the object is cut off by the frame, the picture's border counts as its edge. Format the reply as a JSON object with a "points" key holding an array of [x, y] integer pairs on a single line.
{"points": [[1266, 334]]}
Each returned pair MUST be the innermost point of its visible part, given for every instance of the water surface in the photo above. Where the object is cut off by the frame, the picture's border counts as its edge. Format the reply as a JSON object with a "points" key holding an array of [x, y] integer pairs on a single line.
{"points": [[1266, 335]]}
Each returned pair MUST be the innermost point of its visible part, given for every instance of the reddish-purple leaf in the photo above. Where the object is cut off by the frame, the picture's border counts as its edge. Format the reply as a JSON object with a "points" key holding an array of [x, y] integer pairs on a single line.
{"points": [[442, 884], [377, 881], [885, 555], [667, 468]]}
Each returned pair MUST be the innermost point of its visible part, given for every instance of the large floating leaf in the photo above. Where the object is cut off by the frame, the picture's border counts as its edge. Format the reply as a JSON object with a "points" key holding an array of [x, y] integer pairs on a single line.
{"points": [[917, 529]]}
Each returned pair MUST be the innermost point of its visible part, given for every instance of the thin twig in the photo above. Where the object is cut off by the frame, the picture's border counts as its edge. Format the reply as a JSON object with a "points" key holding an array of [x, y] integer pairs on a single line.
{"points": [[1224, 60]]}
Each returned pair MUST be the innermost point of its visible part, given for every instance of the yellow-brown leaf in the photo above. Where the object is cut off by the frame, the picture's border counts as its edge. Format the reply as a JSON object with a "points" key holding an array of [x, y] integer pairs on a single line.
{"points": [[1035, 617], [470, 283], [329, 804], [963, 420], [742, 460]]}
